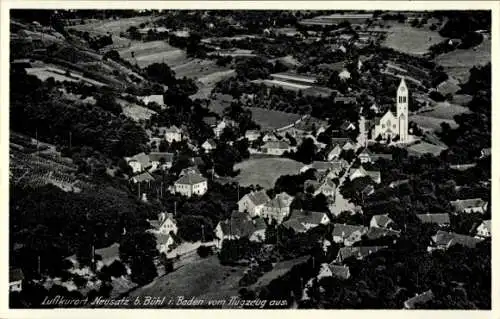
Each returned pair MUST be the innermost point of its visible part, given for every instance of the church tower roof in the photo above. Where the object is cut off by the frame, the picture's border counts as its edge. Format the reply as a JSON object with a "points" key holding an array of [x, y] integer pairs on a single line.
{"points": [[402, 84]]}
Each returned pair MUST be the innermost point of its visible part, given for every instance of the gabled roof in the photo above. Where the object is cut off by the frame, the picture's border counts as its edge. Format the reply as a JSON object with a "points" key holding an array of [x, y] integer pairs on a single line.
{"points": [[173, 129], [252, 132], [277, 145], [343, 230], [341, 141], [281, 200], [143, 177], [486, 151], [339, 271], [439, 219], [382, 220], [307, 217], [365, 152], [210, 120], [449, 239], [141, 158], [487, 224], [399, 182], [419, 299], [462, 204], [241, 225], [156, 224], [189, 170], [357, 251], [156, 156], [210, 142], [257, 198], [369, 189], [16, 274], [377, 232], [346, 125], [191, 179], [162, 239]]}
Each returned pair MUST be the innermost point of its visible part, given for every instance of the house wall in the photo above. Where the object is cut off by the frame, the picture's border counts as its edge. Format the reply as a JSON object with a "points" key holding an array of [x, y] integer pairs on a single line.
{"points": [[245, 204], [136, 166], [170, 137], [168, 226]]}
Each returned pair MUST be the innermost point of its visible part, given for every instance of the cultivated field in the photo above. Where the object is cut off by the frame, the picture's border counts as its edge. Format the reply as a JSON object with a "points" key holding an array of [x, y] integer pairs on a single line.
{"points": [[271, 119], [407, 39], [458, 63], [219, 103], [206, 71], [114, 26], [445, 110], [201, 278], [43, 73], [134, 111], [146, 53], [265, 171], [431, 123]]}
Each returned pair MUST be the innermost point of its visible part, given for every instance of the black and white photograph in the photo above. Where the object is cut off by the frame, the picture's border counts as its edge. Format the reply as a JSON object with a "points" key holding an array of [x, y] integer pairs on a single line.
{"points": [[249, 159]]}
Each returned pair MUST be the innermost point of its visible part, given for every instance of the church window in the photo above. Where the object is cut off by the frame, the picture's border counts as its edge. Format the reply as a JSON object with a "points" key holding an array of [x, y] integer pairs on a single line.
{"points": [[394, 126], [383, 125], [404, 99]]}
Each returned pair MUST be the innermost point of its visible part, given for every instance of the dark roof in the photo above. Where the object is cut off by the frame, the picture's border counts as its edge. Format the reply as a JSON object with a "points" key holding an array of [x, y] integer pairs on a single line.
{"points": [[357, 251], [241, 225], [449, 239], [189, 170], [439, 219], [341, 140], [377, 232], [339, 271], [210, 120], [211, 142], [191, 179], [307, 217], [15, 274], [368, 190], [345, 99], [382, 220], [281, 200], [258, 198], [142, 158], [157, 156], [342, 230], [419, 299], [277, 145]]}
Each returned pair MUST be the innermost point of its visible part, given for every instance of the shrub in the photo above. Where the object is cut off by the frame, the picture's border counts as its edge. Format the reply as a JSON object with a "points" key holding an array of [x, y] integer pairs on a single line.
{"points": [[204, 251]]}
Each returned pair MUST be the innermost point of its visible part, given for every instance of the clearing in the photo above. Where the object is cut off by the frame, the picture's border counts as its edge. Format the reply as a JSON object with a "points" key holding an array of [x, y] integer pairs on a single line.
{"points": [[265, 171], [442, 112], [146, 53], [458, 63], [43, 73], [407, 39], [114, 27], [134, 111], [271, 119]]}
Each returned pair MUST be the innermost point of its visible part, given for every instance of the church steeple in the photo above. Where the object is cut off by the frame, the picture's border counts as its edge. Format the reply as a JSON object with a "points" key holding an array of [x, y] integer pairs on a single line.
{"points": [[402, 99]]}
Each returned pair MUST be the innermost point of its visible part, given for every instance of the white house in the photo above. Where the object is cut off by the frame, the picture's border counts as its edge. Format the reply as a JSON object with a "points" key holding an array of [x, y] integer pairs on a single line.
{"points": [[164, 242], [381, 221], [276, 148], [240, 225], [173, 133], [191, 184], [253, 203], [209, 145], [484, 229], [334, 270], [278, 208], [16, 278], [160, 160], [301, 221], [219, 128], [361, 172], [348, 234], [252, 135], [164, 225], [138, 162]]}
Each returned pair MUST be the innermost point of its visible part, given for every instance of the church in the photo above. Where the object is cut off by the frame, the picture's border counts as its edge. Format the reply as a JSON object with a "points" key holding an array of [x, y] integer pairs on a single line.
{"points": [[390, 125]]}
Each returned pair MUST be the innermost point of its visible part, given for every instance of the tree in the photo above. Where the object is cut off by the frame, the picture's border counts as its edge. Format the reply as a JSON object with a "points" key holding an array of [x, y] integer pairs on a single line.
{"points": [[161, 73]]}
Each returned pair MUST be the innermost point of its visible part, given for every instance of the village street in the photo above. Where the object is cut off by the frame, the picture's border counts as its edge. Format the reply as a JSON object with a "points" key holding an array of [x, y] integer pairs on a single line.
{"points": [[341, 204]]}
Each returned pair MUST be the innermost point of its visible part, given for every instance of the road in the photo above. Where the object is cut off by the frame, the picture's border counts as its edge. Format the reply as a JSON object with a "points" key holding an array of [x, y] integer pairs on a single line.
{"points": [[342, 204]]}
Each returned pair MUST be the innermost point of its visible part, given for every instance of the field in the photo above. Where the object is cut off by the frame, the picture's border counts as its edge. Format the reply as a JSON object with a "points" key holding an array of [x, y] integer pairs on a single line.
{"points": [[458, 63], [146, 53], [271, 119], [202, 70], [219, 103], [423, 148], [201, 278], [265, 171], [114, 26], [279, 270], [134, 111], [406, 39], [442, 112], [43, 73]]}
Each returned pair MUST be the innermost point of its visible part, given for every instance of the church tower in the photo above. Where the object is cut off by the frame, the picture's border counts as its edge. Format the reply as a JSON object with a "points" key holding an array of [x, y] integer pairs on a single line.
{"points": [[402, 110]]}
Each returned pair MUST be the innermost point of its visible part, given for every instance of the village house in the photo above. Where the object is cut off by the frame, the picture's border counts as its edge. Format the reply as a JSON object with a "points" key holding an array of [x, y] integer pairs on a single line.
{"points": [[367, 191], [240, 225], [348, 126], [484, 229], [253, 203], [442, 220], [173, 133], [377, 233], [472, 205], [144, 177], [366, 156], [278, 208], [345, 100], [326, 187], [160, 160], [381, 221], [107, 255], [164, 224], [358, 252], [191, 184], [334, 152], [301, 220], [336, 168], [269, 137], [16, 278], [209, 145], [485, 152], [389, 125], [361, 172], [398, 183], [138, 162], [334, 270], [190, 170], [348, 234], [444, 240], [164, 242], [276, 148], [252, 135], [345, 143], [419, 299]]}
